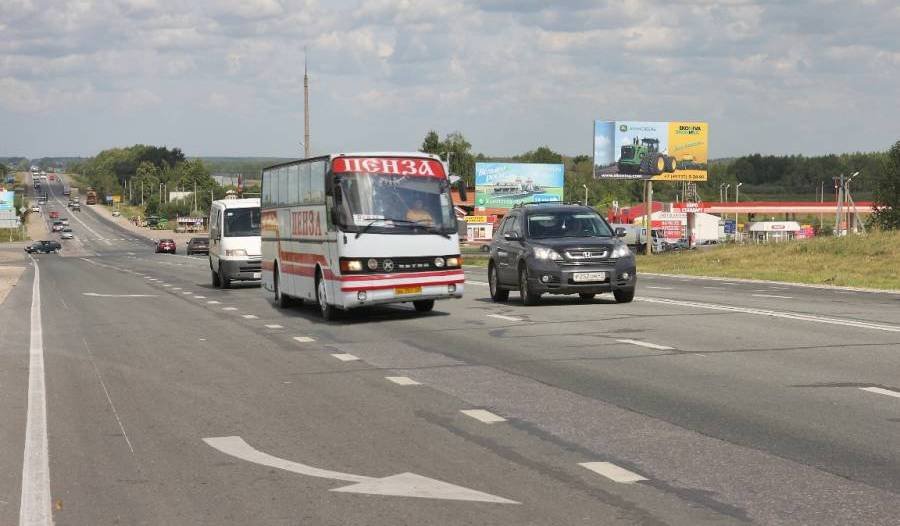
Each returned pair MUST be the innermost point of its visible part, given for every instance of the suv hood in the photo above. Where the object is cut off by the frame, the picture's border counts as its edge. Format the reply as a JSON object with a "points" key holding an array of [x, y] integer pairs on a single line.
{"points": [[559, 244]]}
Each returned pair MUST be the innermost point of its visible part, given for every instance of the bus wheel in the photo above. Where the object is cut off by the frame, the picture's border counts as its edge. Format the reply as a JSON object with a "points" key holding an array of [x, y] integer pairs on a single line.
{"points": [[423, 305], [281, 300], [326, 309]]}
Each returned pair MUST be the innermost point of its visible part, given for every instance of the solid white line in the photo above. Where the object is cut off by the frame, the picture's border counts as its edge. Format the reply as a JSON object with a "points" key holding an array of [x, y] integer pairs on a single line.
{"points": [[345, 357], [229, 308], [502, 317], [482, 283], [772, 296], [660, 288], [714, 288], [613, 472], [647, 345], [251, 316], [484, 416], [34, 508], [775, 314], [879, 390], [770, 282], [304, 339], [402, 380], [274, 326]]}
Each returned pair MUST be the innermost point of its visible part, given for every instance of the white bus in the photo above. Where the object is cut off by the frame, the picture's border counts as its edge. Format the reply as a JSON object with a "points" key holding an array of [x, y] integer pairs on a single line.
{"points": [[356, 229]]}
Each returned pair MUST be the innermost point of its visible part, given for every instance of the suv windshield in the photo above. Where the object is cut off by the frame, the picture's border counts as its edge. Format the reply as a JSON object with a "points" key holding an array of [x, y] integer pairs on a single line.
{"points": [[241, 222], [575, 223], [388, 203]]}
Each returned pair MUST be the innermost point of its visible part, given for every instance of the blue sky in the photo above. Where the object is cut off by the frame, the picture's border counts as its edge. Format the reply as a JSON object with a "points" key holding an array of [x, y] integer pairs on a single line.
{"points": [[225, 77]]}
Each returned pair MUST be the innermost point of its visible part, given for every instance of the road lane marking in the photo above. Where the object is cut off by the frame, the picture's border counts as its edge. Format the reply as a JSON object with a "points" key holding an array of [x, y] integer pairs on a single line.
{"points": [[344, 357], [250, 316], [108, 398], [775, 314], [647, 345], [304, 339], [402, 380], [400, 485], [213, 302], [166, 285], [199, 297], [481, 283], [502, 317], [229, 308], [660, 288], [34, 508], [879, 390], [274, 326], [187, 292], [613, 472], [176, 288], [97, 295], [482, 415], [772, 296], [714, 288]]}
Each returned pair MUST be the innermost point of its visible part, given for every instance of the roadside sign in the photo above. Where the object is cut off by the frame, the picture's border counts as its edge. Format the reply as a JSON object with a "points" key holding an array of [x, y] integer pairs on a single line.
{"points": [[730, 226]]}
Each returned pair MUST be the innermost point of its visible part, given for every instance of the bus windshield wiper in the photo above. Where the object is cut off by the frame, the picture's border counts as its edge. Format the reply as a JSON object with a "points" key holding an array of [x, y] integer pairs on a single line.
{"points": [[421, 224], [368, 226]]}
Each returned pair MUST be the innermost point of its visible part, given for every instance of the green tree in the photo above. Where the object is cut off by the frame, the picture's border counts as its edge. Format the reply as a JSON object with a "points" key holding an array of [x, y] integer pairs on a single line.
{"points": [[886, 192], [454, 145], [432, 143]]}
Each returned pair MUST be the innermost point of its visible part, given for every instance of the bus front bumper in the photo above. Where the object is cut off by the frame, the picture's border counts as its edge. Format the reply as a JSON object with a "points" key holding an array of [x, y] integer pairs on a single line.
{"points": [[401, 294]]}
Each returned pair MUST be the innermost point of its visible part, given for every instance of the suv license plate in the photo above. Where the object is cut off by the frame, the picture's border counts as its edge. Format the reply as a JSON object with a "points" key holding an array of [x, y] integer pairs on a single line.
{"points": [[589, 276], [407, 290]]}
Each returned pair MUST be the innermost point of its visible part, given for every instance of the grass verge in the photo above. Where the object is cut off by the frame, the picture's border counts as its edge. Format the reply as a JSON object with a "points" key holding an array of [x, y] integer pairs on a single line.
{"points": [[871, 261]]}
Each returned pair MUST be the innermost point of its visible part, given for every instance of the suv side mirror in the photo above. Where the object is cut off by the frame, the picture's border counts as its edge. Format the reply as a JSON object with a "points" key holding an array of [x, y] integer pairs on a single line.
{"points": [[620, 232], [512, 236]]}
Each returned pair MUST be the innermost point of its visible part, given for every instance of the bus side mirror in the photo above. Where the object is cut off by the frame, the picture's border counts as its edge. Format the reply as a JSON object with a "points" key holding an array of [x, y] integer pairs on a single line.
{"points": [[463, 195], [335, 216]]}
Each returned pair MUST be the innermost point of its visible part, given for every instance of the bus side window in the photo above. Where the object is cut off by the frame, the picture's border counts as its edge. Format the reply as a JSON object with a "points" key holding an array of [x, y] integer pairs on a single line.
{"points": [[304, 183], [317, 182]]}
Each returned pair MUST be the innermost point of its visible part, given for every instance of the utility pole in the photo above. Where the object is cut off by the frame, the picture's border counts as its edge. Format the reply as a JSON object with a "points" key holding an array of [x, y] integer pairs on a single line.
{"points": [[737, 198], [305, 107], [838, 214], [648, 209]]}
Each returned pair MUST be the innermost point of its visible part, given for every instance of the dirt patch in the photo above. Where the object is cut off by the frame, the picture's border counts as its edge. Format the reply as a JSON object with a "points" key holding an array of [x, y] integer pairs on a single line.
{"points": [[12, 265]]}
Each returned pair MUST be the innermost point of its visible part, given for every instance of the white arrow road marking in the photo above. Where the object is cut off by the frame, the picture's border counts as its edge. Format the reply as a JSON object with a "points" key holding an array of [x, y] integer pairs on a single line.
{"points": [[400, 485], [98, 295], [613, 472]]}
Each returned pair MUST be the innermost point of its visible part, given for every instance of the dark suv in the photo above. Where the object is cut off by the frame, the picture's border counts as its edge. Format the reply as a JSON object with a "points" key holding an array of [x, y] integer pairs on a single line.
{"points": [[559, 249]]}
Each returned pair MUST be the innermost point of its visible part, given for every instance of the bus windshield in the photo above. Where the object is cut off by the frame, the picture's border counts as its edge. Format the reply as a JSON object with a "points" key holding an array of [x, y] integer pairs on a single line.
{"points": [[396, 204], [241, 222]]}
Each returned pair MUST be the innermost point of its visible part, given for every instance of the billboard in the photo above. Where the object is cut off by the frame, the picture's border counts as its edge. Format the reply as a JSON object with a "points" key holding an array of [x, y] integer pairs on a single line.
{"points": [[503, 185], [7, 201], [659, 151]]}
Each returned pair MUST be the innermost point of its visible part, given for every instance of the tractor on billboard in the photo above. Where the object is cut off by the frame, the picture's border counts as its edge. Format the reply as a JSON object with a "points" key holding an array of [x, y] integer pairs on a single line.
{"points": [[644, 157]]}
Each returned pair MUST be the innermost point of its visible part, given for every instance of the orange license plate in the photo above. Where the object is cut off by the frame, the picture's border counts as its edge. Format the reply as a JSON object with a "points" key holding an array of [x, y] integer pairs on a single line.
{"points": [[407, 290]]}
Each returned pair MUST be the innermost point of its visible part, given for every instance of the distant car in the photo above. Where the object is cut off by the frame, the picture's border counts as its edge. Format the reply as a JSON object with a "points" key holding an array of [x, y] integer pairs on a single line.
{"points": [[66, 228], [57, 227], [43, 247], [116, 213], [64, 221], [54, 214], [198, 245], [165, 245], [35, 208], [76, 207], [67, 235]]}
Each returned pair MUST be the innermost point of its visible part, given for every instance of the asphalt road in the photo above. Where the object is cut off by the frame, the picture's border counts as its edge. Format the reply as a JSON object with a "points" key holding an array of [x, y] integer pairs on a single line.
{"points": [[734, 403]]}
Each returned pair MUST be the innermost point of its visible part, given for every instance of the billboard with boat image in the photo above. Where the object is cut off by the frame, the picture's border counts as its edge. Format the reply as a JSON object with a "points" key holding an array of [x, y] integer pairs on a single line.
{"points": [[504, 185]]}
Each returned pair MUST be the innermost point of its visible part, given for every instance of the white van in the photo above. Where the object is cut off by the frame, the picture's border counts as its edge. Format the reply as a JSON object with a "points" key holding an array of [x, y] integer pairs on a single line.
{"points": [[234, 242]]}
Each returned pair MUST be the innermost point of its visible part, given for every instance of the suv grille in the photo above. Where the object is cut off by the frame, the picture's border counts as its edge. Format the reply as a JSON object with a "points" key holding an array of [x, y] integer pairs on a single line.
{"points": [[582, 255]]}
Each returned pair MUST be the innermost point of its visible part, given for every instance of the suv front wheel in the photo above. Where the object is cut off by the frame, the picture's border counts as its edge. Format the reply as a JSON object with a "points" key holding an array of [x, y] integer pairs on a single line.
{"points": [[623, 295], [498, 293], [529, 297]]}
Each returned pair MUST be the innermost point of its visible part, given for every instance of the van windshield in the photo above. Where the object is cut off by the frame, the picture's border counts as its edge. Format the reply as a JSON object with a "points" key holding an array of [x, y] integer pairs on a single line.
{"points": [[241, 222]]}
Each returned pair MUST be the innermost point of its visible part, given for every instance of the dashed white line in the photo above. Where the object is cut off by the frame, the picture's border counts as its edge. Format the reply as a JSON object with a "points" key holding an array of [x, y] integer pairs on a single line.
{"points": [[613, 472], [304, 339], [713, 288], [187, 292], [772, 296], [213, 302], [482, 415], [502, 317], [199, 297], [660, 288], [402, 380], [647, 345], [229, 308], [176, 288], [274, 326], [251, 316], [879, 390], [344, 357]]}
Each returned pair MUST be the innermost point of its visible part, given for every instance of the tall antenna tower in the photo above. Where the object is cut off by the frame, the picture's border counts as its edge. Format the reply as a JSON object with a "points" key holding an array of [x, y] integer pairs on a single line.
{"points": [[305, 107]]}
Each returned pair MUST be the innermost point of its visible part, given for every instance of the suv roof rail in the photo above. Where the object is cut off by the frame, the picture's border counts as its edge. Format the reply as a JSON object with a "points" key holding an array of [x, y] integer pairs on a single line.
{"points": [[551, 203]]}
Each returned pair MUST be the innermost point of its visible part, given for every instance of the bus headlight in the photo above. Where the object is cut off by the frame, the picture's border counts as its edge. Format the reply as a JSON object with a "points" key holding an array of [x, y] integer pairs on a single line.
{"points": [[351, 265], [453, 262], [372, 264], [439, 262]]}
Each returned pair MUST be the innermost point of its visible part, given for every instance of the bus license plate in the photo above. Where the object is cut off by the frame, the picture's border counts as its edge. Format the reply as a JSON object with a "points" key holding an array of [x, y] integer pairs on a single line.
{"points": [[407, 290], [589, 276]]}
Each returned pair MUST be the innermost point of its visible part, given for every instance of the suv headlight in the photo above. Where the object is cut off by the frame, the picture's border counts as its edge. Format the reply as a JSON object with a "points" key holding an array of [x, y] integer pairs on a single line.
{"points": [[546, 253], [621, 251]]}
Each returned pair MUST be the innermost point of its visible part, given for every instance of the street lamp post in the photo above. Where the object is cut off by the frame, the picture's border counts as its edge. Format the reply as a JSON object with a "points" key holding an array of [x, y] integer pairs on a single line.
{"points": [[727, 186], [720, 192], [585, 194], [737, 197]]}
